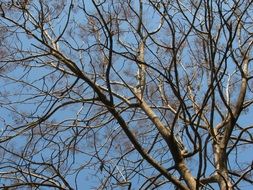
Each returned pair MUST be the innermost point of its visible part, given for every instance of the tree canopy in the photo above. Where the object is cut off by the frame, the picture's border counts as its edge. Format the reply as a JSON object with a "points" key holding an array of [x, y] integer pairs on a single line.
{"points": [[126, 94]]}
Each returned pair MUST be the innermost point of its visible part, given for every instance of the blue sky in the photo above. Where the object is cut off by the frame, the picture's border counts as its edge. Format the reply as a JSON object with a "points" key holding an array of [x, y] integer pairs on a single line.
{"points": [[72, 125]]}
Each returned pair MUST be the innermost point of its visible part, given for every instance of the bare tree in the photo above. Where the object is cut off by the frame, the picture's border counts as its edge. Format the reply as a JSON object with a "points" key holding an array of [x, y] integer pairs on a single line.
{"points": [[126, 94]]}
